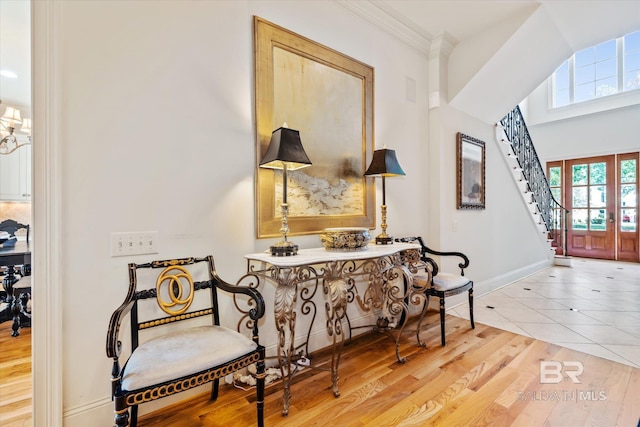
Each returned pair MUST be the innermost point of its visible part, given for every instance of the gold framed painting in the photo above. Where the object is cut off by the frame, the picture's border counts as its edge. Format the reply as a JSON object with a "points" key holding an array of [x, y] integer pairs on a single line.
{"points": [[328, 98], [471, 172]]}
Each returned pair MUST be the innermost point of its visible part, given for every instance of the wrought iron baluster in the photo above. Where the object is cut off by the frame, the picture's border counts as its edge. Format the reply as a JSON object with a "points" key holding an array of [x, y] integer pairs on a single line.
{"points": [[553, 214]]}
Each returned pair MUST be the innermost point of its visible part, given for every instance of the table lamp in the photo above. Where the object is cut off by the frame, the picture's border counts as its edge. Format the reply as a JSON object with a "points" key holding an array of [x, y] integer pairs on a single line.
{"points": [[384, 164], [285, 152]]}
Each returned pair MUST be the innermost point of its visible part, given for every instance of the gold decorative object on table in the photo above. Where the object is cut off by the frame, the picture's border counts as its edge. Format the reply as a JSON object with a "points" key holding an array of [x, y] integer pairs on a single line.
{"points": [[345, 239]]}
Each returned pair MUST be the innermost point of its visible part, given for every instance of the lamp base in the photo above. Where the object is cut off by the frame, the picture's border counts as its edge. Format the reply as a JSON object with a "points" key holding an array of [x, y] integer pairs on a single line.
{"points": [[284, 248], [384, 240]]}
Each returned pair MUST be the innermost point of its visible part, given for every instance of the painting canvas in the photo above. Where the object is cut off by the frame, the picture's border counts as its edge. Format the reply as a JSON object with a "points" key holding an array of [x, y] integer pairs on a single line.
{"points": [[332, 140], [328, 98]]}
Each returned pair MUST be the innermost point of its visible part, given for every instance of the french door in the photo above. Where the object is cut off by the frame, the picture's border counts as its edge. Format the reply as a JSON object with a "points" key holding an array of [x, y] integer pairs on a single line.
{"points": [[601, 194], [627, 193]]}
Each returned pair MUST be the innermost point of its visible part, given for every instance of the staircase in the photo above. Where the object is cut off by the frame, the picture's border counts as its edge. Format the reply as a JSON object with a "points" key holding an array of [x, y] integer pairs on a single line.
{"points": [[550, 215]]}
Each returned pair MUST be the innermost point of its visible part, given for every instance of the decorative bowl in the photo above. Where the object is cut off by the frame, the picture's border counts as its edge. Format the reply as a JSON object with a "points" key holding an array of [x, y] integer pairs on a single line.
{"points": [[345, 239]]}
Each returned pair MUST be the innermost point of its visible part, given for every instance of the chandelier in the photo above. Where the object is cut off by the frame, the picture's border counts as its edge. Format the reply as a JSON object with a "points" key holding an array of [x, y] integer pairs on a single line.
{"points": [[8, 122]]}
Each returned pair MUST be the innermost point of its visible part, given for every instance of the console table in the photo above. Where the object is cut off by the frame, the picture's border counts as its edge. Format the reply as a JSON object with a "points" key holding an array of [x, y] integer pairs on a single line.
{"points": [[388, 291], [18, 253]]}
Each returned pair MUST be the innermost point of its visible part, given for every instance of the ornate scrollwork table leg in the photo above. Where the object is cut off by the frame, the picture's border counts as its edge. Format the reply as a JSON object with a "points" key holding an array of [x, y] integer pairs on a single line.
{"points": [[285, 318], [336, 289]]}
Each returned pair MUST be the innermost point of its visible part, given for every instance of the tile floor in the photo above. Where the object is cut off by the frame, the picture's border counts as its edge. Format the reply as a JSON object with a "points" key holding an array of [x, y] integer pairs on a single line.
{"points": [[592, 307]]}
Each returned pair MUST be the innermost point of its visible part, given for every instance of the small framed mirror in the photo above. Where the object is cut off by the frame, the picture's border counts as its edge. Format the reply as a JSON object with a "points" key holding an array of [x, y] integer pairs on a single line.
{"points": [[470, 169]]}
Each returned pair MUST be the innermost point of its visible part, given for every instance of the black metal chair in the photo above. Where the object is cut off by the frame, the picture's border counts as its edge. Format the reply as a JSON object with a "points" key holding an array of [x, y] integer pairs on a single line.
{"points": [[181, 349], [442, 285]]}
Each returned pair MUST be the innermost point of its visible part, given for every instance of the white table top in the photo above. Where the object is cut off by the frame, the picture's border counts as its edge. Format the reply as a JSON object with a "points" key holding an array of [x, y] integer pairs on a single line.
{"points": [[321, 255]]}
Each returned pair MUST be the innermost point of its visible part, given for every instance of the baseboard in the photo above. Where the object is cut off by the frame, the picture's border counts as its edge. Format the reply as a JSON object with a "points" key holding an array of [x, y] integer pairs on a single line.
{"points": [[89, 413]]}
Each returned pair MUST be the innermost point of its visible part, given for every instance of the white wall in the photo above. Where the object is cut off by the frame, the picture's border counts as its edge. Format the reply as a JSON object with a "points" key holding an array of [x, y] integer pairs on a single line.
{"points": [[601, 126], [502, 241], [156, 132], [501, 82]]}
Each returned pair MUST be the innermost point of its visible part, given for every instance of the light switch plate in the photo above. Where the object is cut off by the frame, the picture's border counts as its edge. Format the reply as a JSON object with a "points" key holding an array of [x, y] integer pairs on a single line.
{"points": [[134, 243]]}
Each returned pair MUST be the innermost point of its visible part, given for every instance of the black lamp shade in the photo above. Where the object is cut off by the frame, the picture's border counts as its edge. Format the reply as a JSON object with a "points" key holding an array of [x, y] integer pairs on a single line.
{"points": [[285, 148], [384, 163]]}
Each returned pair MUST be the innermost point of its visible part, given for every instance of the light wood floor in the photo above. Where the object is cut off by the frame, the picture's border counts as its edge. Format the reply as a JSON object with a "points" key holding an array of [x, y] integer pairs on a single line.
{"points": [[482, 377], [15, 377]]}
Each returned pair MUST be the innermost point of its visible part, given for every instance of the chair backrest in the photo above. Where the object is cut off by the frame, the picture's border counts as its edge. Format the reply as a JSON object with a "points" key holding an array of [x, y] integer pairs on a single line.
{"points": [[11, 226], [171, 292], [426, 251]]}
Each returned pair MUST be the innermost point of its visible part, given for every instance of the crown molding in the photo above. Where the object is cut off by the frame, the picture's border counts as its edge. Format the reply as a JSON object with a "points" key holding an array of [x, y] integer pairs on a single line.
{"points": [[378, 14], [443, 44]]}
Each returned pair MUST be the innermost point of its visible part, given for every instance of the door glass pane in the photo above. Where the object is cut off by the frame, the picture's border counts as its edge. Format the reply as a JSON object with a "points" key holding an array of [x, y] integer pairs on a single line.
{"points": [[598, 173], [628, 220], [598, 222], [554, 176], [628, 171], [555, 192], [598, 196], [579, 197], [579, 175], [579, 219], [628, 196]]}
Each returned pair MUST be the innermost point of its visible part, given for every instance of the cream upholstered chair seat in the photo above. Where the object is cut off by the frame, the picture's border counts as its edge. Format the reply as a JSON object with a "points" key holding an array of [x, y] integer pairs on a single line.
{"points": [[183, 353], [441, 284]]}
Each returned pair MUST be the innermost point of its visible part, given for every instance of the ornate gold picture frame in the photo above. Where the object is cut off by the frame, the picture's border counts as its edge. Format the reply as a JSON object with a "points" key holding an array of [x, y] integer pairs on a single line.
{"points": [[471, 172], [328, 98]]}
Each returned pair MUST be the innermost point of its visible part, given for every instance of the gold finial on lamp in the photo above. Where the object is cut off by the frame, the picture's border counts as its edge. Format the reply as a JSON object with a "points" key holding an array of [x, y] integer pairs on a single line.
{"points": [[384, 164], [285, 152]]}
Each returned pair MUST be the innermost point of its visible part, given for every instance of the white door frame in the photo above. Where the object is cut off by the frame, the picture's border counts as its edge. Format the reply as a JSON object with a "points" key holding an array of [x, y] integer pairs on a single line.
{"points": [[47, 362]]}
